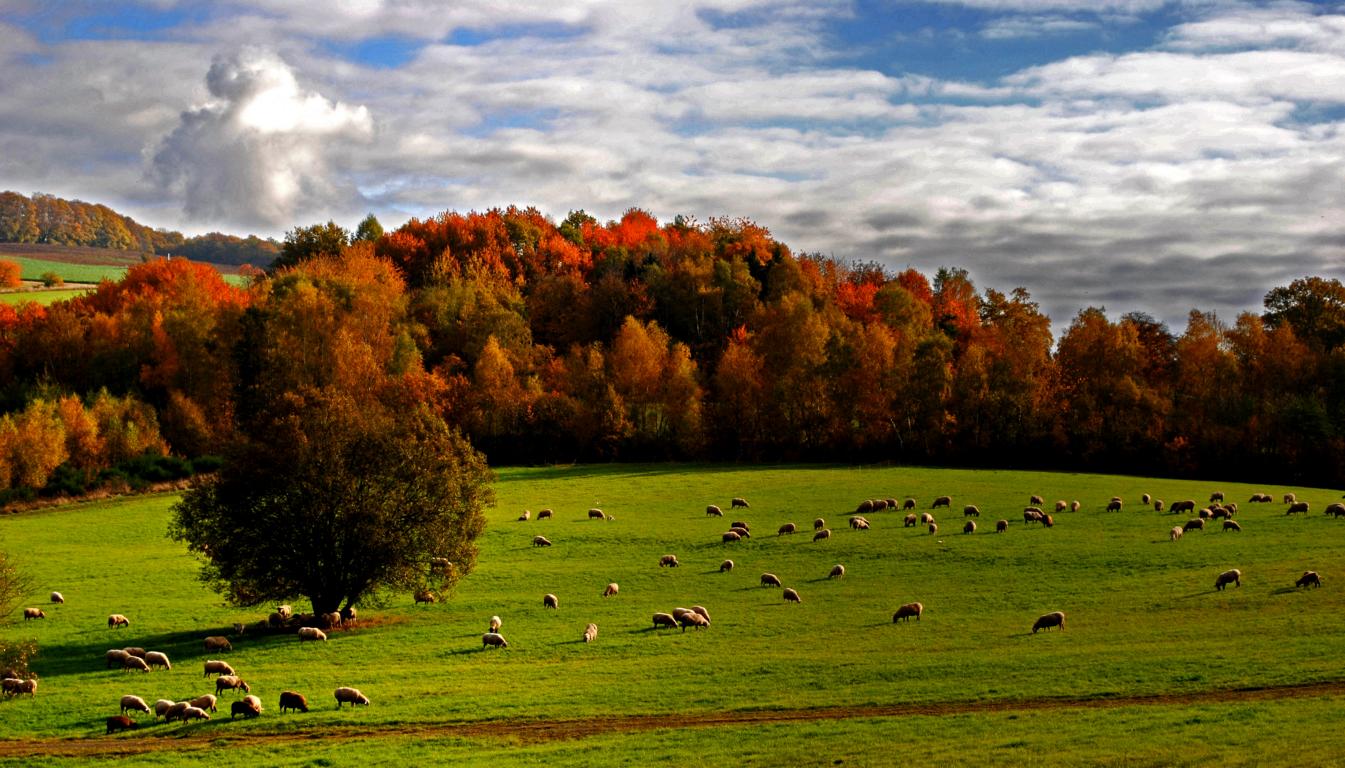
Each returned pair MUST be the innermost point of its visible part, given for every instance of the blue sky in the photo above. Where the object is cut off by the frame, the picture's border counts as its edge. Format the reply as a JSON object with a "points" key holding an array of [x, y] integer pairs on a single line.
{"points": [[1148, 155]]}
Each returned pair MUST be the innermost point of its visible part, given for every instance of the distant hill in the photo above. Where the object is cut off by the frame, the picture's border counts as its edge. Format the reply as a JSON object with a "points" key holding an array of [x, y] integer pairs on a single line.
{"points": [[50, 221]]}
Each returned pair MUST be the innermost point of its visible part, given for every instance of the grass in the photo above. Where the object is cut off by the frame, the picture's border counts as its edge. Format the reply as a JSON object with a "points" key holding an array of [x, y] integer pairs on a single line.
{"points": [[41, 297], [33, 269], [1143, 620]]}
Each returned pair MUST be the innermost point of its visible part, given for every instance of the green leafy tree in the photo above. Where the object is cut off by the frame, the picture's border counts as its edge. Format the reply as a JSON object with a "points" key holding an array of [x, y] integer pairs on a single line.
{"points": [[304, 243], [369, 230]]}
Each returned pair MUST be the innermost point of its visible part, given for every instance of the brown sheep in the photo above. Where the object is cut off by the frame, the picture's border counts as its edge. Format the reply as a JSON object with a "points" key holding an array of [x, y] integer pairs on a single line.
{"points": [[217, 668], [713, 511], [1290, 498], [791, 596], [1297, 507], [1061, 506], [864, 507], [692, 619], [1195, 524], [1189, 505], [933, 528], [970, 527], [34, 613], [1233, 576], [550, 601], [730, 537], [1146, 499], [243, 708], [908, 504], [909, 521], [543, 515], [1036, 500], [905, 612], [819, 524], [739, 501], [120, 723], [786, 528], [1205, 514], [1114, 505], [700, 609], [825, 533], [136, 663], [664, 620], [770, 580], [1232, 525], [1216, 496], [1158, 505], [859, 524], [1001, 526], [837, 571], [926, 518], [1309, 579], [611, 589], [1048, 521], [230, 683], [891, 503], [1218, 512], [293, 700], [117, 620], [1074, 506], [668, 561], [1056, 619], [206, 701], [1032, 515], [218, 643], [1336, 510], [541, 541], [740, 524], [133, 651], [971, 510], [942, 501], [726, 566], [879, 505], [424, 596]]}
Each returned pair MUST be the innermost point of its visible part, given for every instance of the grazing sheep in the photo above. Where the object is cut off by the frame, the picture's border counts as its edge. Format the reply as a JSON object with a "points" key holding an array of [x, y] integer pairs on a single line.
{"points": [[205, 701], [162, 706], [349, 616], [292, 700], [541, 541], [311, 633], [1074, 506], [926, 518], [864, 506], [1309, 579], [1146, 499], [158, 659], [668, 561], [942, 501], [34, 613], [550, 601], [218, 643], [353, 696], [910, 520], [1232, 525], [740, 524], [1178, 507], [440, 564], [175, 711], [739, 501], [1158, 505], [971, 510], [1036, 500], [770, 580], [330, 620], [664, 620], [611, 589], [1175, 533], [1297, 507], [1217, 512], [909, 503], [590, 633], [596, 514], [879, 505], [1048, 521], [1216, 496], [133, 651], [859, 524], [1031, 515], [714, 511], [786, 528], [970, 527], [1290, 498], [195, 713], [120, 723], [230, 683], [1233, 576], [133, 703], [57, 597], [494, 640], [1001, 526], [1232, 508], [1336, 510], [819, 524], [905, 612], [217, 668], [526, 516], [1061, 506], [115, 658], [692, 619], [700, 610], [825, 533], [136, 663], [726, 566], [837, 571], [730, 537], [1195, 524], [285, 611], [15, 687], [678, 613], [1114, 505], [253, 701], [274, 621], [933, 528], [495, 623], [791, 596], [1056, 619], [424, 596], [1204, 514], [542, 515], [242, 708], [117, 620]]}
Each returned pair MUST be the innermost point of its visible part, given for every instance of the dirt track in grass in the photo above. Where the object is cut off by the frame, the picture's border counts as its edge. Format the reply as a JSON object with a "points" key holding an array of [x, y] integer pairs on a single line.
{"points": [[214, 735]]}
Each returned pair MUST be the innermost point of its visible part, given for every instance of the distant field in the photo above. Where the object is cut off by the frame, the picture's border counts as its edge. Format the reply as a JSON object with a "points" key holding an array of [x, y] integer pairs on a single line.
{"points": [[33, 269], [83, 265], [1154, 667], [41, 297]]}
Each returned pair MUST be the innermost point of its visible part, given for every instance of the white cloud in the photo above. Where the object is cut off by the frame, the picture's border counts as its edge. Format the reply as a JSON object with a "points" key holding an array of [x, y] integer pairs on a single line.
{"points": [[1021, 27]]}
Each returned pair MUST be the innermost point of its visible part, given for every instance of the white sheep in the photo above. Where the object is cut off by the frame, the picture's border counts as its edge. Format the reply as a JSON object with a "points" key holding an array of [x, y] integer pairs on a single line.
{"points": [[590, 633], [57, 597], [175, 711], [332, 619], [311, 633], [34, 613], [704, 614], [254, 702], [136, 663], [117, 620], [231, 683], [218, 643], [494, 640], [550, 601], [205, 701], [837, 571], [194, 713], [726, 566], [162, 706], [770, 580], [157, 659], [495, 623], [1175, 533], [664, 620], [823, 534], [791, 596], [692, 619], [525, 517], [217, 668], [286, 612], [133, 703], [612, 589], [351, 696]]}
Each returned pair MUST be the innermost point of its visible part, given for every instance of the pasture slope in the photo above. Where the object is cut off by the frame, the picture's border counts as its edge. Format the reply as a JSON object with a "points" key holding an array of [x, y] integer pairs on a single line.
{"points": [[1154, 666]]}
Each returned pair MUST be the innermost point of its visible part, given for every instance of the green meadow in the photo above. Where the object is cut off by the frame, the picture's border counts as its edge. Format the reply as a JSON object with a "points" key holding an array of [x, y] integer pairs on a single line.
{"points": [[34, 269], [1154, 667], [41, 297]]}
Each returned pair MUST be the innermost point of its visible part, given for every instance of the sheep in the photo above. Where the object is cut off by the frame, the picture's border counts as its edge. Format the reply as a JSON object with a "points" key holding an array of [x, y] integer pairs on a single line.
{"points": [[971, 510], [1232, 525], [526, 516], [770, 580], [494, 640], [1233, 576], [1001, 526], [1114, 505], [162, 706], [611, 589], [120, 723], [1219, 512], [544, 514], [933, 528], [1032, 515], [1195, 524], [668, 561], [597, 514], [253, 701], [34, 613], [292, 700], [905, 612], [1061, 506], [859, 523], [1036, 500], [1204, 514], [311, 633], [117, 620], [1297, 507], [550, 601], [730, 537], [349, 616], [942, 501], [739, 501], [864, 506], [837, 571], [1175, 533], [1048, 521], [541, 541], [1158, 505], [195, 713], [819, 524], [242, 708], [825, 533], [713, 511], [423, 595], [700, 610], [15, 686], [664, 620], [880, 504], [218, 643], [175, 711], [909, 521], [1290, 498], [330, 620], [786, 528], [285, 611], [205, 701], [908, 504], [440, 564], [1056, 619], [970, 527], [274, 621], [1309, 579], [1336, 510], [133, 651], [742, 527], [1232, 508], [1074, 506], [1146, 499], [590, 633], [791, 596], [136, 663], [926, 518], [217, 668], [495, 623], [678, 613], [158, 659], [57, 597], [1189, 505], [1216, 496], [726, 566], [133, 703], [1256, 498], [692, 619], [230, 683], [115, 658]]}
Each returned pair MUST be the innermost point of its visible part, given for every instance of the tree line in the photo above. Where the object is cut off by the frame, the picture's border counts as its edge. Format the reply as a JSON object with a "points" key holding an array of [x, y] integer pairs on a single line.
{"points": [[634, 340]]}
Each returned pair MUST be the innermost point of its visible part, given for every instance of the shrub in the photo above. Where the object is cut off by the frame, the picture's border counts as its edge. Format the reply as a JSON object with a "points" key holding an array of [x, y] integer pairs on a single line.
{"points": [[52, 280], [10, 274]]}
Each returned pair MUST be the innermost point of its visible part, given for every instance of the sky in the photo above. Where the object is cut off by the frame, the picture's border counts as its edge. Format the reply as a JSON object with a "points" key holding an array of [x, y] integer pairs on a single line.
{"points": [[1141, 155]]}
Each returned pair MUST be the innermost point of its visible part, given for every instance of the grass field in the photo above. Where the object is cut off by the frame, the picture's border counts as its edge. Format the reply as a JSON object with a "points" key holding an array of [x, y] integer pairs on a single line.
{"points": [[1154, 667], [33, 269], [42, 297]]}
